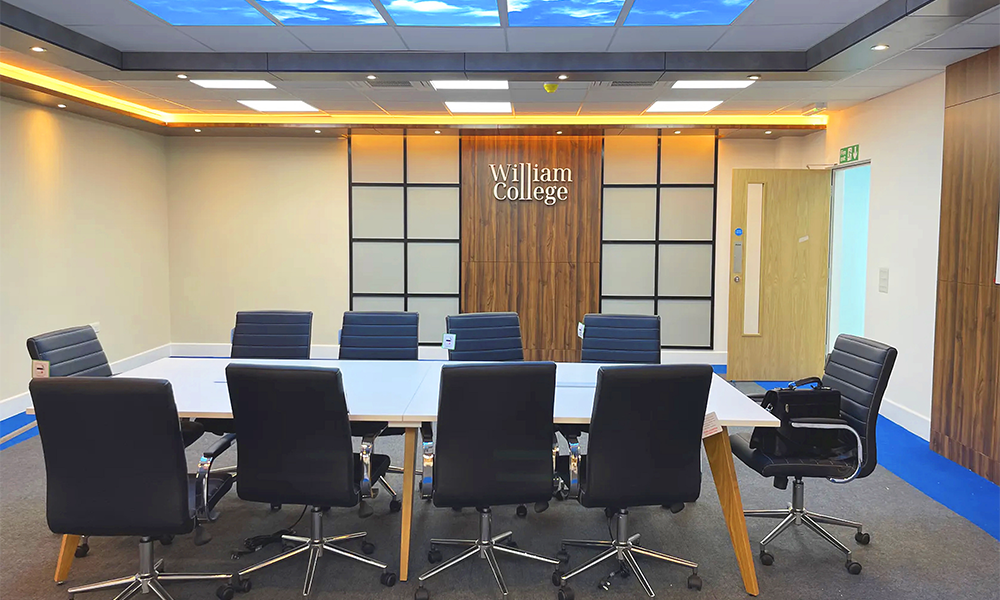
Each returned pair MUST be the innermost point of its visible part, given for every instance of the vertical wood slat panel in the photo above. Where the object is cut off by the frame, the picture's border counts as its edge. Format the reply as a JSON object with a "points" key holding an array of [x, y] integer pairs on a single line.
{"points": [[541, 261], [965, 412]]}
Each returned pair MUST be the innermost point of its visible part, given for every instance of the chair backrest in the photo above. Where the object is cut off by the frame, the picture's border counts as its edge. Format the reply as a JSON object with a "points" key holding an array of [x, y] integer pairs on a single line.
{"points": [[379, 336], [859, 369], [494, 434], [73, 352], [272, 334], [486, 336], [294, 435], [129, 482], [645, 435], [631, 339]]}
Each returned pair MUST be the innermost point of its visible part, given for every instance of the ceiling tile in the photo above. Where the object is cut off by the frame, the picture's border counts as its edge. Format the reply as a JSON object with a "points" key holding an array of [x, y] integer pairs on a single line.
{"points": [[660, 39], [142, 38], [246, 39], [787, 93], [454, 39], [970, 35], [559, 39], [926, 59], [529, 108], [335, 39], [989, 17], [623, 94], [538, 94], [342, 107], [887, 78], [614, 107], [88, 12], [424, 107], [846, 93], [763, 38], [800, 12]]}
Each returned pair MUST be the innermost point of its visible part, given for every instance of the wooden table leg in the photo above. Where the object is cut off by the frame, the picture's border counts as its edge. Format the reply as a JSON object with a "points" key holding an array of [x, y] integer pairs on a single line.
{"points": [[720, 458], [66, 553], [409, 480]]}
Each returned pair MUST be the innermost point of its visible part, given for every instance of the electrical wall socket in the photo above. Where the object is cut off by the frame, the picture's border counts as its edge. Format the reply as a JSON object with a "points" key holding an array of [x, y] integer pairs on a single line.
{"points": [[97, 326], [883, 280]]}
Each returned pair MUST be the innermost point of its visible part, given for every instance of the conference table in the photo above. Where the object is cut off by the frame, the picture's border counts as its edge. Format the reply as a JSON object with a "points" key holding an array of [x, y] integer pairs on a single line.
{"points": [[405, 393]]}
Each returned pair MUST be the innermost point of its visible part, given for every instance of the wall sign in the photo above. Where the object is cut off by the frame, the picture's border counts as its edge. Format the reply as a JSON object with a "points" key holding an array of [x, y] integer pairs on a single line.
{"points": [[518, 182], [850, 153]]}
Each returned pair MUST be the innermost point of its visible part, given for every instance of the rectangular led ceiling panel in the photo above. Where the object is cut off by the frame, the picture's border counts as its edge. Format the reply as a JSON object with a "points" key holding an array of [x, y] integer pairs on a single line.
{"points": [[566, 13], [323, 12], [450, 13], [205, 12], [685, 12]]}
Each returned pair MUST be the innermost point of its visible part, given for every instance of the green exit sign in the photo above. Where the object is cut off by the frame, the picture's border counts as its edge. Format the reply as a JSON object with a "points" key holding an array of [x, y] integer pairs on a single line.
{"points": [[849, 154]]}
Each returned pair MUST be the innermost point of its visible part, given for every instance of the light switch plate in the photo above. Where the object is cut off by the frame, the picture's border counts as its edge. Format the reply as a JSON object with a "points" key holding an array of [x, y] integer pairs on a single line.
{"points": [[883, 280]]}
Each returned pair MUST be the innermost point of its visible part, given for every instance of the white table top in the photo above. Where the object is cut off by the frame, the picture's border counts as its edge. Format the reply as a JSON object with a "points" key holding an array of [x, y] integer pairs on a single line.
{"points": [[406, 392]]}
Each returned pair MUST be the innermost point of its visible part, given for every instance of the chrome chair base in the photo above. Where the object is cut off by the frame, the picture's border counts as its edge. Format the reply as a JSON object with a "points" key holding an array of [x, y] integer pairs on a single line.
{"points": [[486, 547], [796, 514], [624, 547], [148, 579], [316, 544]]}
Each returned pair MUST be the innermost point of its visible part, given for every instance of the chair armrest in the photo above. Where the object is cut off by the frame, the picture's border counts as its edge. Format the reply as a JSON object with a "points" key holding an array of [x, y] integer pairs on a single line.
{"points": [[367, 447], [220, 446], [758, 396], [574, 464], [427, 476], [204, 472], [806, 381], [821, 423]]}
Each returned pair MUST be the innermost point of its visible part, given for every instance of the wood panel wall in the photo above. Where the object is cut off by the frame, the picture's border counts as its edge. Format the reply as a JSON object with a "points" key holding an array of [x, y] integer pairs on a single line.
{"points": [[965, 415], [542, 262]]}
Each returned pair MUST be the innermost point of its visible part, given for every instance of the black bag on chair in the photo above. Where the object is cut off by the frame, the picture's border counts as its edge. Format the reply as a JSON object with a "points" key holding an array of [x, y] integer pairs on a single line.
{"points": [[793, 402]]}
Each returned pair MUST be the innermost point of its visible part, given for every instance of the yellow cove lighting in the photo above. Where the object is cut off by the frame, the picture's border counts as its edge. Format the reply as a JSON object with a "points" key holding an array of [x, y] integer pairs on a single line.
{"points": [[324, 118]]}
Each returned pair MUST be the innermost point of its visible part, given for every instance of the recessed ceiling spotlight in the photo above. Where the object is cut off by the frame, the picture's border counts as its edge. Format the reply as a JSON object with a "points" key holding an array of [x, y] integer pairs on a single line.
{"points": [[436, 131], [372, 77], [880, 47], [755, 76], [181, 76], [677, 132], [60, 106], [768, 132], [564, 77], [318, 131], [37, 49], [197, 131]]}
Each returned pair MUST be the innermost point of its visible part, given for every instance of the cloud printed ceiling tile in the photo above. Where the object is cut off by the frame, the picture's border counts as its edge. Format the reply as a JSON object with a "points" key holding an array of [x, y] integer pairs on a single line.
{"points": [[205, 12], [685, 12], [444, 13], [564, 13], [323, 12]]}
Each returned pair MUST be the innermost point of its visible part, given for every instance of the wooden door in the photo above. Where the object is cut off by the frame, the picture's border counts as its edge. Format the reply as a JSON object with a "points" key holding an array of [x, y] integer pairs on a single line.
{"points": [[779, 249]]}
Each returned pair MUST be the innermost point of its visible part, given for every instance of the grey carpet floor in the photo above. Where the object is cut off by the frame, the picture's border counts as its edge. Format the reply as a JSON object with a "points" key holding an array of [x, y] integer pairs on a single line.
{"points": [[919, 548]]}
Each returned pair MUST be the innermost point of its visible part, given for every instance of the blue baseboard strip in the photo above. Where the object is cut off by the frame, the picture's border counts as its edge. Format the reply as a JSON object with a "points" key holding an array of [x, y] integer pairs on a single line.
{"points": [[11, 424]]}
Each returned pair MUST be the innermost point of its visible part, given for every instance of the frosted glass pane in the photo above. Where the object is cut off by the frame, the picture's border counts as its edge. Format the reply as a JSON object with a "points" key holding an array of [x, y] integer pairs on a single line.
{"points": [[629, 213], [377, 158], [685, 322], [369, 303], [627, 270], [433, 268], [377, 212], [685, 270], [432, 213], [687, 159], [630, 159], [432, 313], [432, 159], [686, 213], [626, 307], [378, 267], [754, 239]]}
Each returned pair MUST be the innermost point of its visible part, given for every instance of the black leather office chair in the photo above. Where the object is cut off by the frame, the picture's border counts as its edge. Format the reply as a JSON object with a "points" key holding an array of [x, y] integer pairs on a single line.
{"points": [[485, 336], [645, 449], [379, 336], [623, 339], [859, 369], [76, 352], [295, 448], [494, 450], [132, 483]]}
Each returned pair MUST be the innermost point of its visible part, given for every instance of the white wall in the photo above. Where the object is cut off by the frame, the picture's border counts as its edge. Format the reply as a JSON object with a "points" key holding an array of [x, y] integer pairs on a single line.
{"points": [[256, 224], [83, 236]]}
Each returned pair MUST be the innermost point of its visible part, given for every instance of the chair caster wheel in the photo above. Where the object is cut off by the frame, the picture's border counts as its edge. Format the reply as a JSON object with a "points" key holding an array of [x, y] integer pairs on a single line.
{"points": [[862, 538], [388, 579], [275, 507], [562, 495], [557, 578], [853, 567], [766, 558], [244, 586], [694, 582], [225, 592], [434, 556], [166, 540], [324, 509], [609, 512], [566, 593], [421, 594], [81, 550], [395, 506], [522, 511], [562, 556], [676, 508], [367, 547]]}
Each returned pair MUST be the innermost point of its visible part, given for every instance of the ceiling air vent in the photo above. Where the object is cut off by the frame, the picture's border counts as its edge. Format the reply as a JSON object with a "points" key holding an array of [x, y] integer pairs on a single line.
{"points": [[633, 84], [379, 83]]}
